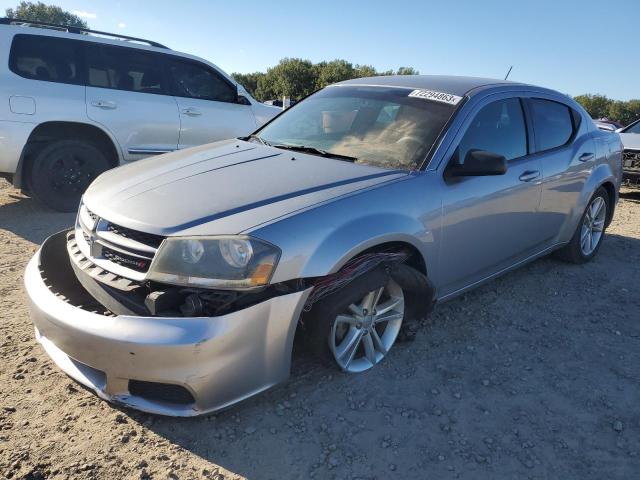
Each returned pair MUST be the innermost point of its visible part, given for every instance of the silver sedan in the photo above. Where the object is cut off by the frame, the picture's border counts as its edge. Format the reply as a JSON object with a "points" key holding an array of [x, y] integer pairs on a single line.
{"points": [[342, 222]]}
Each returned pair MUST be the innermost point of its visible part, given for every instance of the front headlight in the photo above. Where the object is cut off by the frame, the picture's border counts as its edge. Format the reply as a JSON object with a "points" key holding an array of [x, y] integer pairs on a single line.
{"points": [[230, 262]]}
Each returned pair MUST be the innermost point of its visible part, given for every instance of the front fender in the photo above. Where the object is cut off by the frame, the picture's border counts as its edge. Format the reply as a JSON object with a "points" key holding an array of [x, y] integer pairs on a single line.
{"points": [[359, 235], [321, 240]]}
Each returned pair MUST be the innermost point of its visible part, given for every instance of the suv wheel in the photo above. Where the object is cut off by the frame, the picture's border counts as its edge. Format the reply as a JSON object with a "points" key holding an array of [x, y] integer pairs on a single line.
{"points": [[63, 169]]}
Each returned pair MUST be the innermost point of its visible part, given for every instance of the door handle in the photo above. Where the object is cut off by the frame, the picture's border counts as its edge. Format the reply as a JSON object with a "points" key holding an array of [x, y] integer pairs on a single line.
{"points": [[104, 104], [529, 175], [192, 112], [585, 157]]}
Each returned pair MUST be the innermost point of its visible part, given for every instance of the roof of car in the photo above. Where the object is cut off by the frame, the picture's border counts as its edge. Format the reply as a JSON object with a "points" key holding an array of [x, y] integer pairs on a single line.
{"points": [[442, 83]]}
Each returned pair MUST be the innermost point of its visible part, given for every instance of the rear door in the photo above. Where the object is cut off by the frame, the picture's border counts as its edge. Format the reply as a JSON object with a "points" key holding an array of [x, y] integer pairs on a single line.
{"points": [[208, 104], [128, 93], [567, 154], [490, 222], [45, 81]]}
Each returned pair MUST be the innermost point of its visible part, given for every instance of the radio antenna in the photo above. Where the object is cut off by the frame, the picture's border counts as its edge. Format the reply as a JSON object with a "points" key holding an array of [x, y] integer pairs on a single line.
{"points": [[507, 75]]}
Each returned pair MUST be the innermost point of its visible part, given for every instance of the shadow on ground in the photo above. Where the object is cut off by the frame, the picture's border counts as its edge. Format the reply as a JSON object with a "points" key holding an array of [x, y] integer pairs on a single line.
{"points": [[632, 195], [29, 219]]}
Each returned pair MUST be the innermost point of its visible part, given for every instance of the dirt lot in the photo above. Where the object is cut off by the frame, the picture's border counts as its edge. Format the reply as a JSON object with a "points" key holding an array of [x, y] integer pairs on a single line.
{"points": [[535, 375]]}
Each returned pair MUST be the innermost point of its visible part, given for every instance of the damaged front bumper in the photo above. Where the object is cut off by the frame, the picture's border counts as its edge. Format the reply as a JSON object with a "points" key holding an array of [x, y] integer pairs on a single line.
{"points": [[631, 165], [181, 366]]}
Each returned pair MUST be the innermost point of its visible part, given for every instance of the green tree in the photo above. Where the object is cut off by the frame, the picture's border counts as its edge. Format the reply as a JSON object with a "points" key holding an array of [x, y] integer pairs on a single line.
{"points": [[364, 71], [45, 13], [297, 78], [249, 81], [596, 105], [265, 90], [332, 72], [407, 71], [292, 77], [624, 112]]}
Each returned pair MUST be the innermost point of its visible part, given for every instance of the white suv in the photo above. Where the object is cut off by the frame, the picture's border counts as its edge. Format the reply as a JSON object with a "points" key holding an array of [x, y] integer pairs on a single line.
{"points": [[74, 103]]}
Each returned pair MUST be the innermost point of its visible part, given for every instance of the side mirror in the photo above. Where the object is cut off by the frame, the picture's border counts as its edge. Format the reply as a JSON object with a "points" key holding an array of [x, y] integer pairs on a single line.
{"points": [[619, 130], [479, 163], [242, 100]]}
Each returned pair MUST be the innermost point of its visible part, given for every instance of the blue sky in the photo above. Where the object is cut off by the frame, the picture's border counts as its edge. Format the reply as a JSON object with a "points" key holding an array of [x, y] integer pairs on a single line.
{"points": [[572, 46]]}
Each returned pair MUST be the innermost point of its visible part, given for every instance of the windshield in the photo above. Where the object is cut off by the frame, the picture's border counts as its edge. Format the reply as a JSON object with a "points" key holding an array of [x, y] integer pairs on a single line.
{"points": [[633, 128], [379, 126]]}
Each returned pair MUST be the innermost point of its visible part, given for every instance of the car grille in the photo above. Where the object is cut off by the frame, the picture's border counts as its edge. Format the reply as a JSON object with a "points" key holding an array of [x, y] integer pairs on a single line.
{"points": [[631, 159], [141, 237], [127, 248], [93, 270]]}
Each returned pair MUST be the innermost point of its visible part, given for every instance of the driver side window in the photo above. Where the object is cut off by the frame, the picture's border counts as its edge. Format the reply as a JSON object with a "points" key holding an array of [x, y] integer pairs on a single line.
{"points": [[193, 80], [498, 127]]}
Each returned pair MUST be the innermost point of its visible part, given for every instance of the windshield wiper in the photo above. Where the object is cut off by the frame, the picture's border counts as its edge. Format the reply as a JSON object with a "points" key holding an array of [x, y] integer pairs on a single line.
{"points": [[253, 136], [314, 151]]}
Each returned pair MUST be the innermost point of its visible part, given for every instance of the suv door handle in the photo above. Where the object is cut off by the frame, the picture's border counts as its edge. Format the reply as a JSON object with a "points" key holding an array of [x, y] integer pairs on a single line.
{"points": [[104, 104], [585, 157], [529, 175], [192, 112]]}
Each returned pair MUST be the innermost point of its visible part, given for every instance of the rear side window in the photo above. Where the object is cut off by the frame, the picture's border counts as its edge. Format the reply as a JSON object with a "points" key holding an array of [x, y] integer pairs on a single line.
{"points": [[125, 69], [554, 123], [195, 80], [46, 58], [498, 127]]}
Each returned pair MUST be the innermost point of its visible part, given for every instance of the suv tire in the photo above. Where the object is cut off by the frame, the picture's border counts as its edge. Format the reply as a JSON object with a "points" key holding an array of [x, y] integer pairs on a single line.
{"points": [[63, 169]]}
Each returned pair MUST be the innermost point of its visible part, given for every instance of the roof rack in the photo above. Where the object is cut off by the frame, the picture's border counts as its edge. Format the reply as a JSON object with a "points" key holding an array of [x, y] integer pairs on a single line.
{"points": [[74, 29]]}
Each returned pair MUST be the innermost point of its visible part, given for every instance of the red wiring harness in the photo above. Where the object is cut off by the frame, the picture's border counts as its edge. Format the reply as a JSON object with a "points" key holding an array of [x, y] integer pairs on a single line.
{"points": [[349, 272]]}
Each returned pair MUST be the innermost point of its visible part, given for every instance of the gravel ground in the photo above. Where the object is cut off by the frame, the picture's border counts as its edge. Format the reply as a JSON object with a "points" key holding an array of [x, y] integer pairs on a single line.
{"points": [[534, 375]]}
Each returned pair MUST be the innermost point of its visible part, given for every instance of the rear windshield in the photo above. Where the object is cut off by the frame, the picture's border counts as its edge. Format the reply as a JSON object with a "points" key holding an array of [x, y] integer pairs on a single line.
{"points": [[379, 126]]}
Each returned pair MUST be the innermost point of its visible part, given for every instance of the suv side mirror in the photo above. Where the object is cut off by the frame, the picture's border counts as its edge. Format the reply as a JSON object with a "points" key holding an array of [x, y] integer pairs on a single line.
{"points": [[479, 163]]}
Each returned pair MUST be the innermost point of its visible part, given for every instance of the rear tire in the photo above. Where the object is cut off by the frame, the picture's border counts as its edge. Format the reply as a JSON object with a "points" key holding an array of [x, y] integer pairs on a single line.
{"points": [[62, 170], [589, 234]]}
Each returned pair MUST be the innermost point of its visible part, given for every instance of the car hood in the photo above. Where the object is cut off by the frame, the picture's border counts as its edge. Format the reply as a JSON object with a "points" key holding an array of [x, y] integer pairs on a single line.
{"points": [[630, 140], [235, 184]]}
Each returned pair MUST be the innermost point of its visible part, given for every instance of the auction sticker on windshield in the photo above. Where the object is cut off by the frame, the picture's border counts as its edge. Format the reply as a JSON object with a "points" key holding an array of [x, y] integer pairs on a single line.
{"points": [[436, 96]]}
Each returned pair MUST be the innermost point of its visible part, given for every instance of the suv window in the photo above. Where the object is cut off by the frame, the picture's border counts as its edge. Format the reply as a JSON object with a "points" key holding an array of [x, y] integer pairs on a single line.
{"points": [[553, 123], [194, 80], [499, 128], [40, 57], [125, 69]]}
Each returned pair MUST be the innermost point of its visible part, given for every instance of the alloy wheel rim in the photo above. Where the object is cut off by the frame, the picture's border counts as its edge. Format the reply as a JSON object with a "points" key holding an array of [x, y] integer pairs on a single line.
{"points": [[593, 226], [363, 335]]}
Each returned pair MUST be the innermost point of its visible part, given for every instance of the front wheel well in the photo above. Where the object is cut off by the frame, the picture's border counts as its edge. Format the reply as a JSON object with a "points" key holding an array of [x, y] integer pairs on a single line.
{"points": [[48, 132], [415, 260]]}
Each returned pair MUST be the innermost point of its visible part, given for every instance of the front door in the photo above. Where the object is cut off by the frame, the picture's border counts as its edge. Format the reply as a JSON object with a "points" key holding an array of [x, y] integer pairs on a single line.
{"points": [[127, 93], [490, 222], [208, 104]]}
